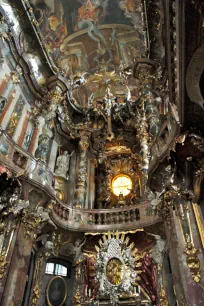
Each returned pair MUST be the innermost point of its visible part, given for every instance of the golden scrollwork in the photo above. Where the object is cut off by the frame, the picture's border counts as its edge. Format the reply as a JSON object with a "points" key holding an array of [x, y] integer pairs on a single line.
{"points": [[192, 260], [36, 294], [3, 263], [163, 298], [77, 298], [30, 222], [115, 234], [55, 96]]}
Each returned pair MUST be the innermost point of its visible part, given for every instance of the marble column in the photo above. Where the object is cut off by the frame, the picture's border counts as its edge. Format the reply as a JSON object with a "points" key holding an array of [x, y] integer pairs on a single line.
{"points": [[81, 184], [4, 84], [7, 111], [17, 276], [32, 145], [23, 130], [19, 126], [7, 244]]}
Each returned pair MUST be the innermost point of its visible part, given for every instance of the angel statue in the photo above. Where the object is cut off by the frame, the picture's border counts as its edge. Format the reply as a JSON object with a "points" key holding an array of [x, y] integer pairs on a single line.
{"points": [[155, 198], [47, 244], [62, 165], [44, 215], [75, 250], [158, 250]]}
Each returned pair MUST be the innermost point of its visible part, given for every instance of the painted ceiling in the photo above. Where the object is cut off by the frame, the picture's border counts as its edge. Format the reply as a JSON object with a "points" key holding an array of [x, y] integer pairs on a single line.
{"points": [[97, 38]]}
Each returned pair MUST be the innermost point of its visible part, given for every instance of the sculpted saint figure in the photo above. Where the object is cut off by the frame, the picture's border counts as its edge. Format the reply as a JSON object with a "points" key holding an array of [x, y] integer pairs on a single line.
{"points": [[62, 165]]}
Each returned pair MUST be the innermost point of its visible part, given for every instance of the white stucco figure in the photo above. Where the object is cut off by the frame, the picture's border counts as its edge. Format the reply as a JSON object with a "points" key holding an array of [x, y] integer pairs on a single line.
{"points": [[19, 206], [158, 250], [62, 165], [44, 215]]}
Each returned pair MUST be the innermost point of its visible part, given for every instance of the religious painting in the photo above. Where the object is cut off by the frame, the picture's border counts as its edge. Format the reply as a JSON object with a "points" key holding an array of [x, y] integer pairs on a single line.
{"points": [[87, 35]]}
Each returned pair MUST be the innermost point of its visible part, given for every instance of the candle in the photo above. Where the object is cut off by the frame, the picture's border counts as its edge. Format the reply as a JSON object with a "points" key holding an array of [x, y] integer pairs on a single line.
{"points": [[89, 292]]}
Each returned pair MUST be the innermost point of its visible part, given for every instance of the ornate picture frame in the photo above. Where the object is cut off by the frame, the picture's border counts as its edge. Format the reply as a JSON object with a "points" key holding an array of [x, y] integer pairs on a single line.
{"points": [[54, 288]]}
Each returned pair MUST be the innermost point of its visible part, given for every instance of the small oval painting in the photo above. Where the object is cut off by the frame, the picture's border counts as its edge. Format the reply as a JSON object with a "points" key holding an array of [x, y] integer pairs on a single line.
{"points": [[114, 271], [56, 291]]}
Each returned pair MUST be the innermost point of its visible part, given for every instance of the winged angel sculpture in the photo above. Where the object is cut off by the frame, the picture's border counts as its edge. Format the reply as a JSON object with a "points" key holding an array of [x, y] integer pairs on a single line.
{"points": [[74, 251]]}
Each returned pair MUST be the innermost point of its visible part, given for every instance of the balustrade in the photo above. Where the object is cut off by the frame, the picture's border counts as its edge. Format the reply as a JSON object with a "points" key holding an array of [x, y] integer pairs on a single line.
{"points": [[24, 164], [104, 219]]}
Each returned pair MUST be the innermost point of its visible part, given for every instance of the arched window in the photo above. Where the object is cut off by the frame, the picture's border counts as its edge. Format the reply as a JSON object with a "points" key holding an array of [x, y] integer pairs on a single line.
{"points": [[57, 266]]}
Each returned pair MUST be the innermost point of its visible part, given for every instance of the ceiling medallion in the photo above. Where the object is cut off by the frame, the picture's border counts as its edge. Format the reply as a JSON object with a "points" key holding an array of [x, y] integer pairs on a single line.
{"points": [[115, 265]]}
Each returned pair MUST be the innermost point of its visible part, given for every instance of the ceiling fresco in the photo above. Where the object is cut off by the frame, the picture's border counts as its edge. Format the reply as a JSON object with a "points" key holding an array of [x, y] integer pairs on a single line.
{"points": [[96, 38], [86, 35], [25, 40]]}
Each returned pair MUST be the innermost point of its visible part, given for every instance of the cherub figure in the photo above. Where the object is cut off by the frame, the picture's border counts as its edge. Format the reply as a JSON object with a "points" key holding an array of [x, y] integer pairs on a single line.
{"points": [[47, 244], [75, 250], [45, 217]]}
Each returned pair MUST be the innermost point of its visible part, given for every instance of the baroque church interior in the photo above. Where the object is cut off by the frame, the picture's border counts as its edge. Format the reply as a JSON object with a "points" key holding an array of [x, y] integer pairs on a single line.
{"points": [[101, 152]]}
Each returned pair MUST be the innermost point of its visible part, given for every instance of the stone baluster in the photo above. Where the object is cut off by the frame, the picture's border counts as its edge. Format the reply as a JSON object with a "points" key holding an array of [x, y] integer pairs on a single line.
{"points": [[123, 217], [64, 213], [105, 219], [117, 219], [93, 218], [137, 213], [99, 219], [81, 185], [128, 216], [134, 215], [111, 218]]}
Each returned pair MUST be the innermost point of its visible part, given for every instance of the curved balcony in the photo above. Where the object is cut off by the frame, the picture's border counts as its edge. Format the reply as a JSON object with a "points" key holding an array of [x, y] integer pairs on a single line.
{"points": [[24, 164], [100, 220]]}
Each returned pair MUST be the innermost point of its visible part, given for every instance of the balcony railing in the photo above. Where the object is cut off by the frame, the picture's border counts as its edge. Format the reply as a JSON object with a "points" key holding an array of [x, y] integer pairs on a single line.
{"points": [[25, 164], [37, 172], [136, 216]]}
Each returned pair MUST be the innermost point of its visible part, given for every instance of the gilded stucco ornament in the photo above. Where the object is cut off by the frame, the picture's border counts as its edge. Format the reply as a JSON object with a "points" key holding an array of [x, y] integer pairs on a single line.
{"points": [[30, 222], [162, 297], [192, 260], [77, 298], [3, 262]]}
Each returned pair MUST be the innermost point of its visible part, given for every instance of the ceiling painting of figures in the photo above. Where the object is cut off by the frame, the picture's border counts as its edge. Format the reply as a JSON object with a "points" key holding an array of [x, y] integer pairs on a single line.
{"points": [[88, 35], [99, 38]]}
